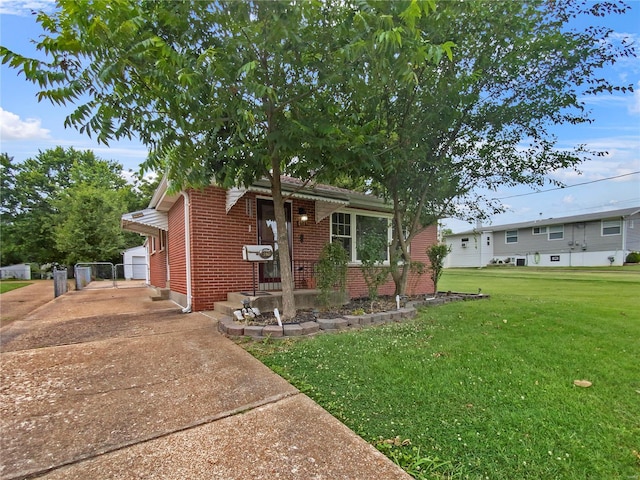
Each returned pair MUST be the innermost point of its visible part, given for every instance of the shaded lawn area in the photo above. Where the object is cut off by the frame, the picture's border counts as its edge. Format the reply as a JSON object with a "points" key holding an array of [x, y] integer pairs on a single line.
{"points": [[485, 389], [8, 285]]}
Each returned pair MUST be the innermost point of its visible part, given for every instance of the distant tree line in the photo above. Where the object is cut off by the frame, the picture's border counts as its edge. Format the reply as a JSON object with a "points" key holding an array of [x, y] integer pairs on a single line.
{"points": [[64, 206]]}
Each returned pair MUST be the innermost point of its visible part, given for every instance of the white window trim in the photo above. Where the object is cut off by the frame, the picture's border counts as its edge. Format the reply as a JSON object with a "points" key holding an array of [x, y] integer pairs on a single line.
{"points": [[542, 230], [506, 236], [363, 213], [602, 227], [550, 231]]}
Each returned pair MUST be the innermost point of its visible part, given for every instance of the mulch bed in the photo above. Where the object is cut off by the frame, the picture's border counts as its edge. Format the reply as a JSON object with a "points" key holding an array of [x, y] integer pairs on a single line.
{"points": [[356, 306]]}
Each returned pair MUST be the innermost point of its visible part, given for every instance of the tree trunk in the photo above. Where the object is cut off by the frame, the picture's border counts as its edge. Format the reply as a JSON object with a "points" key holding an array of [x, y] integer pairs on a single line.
{"points": [[401, 286], [286, 275], [400, 276]]}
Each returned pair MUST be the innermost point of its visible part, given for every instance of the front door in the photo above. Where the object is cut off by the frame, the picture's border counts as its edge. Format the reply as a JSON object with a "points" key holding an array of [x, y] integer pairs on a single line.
{"points": [[268, 235]]}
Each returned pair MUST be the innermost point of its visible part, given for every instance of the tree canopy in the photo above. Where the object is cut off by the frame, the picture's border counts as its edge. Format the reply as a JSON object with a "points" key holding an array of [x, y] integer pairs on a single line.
{"points": [[483, 118], [417, 100], [64, 206], [228, 90]]}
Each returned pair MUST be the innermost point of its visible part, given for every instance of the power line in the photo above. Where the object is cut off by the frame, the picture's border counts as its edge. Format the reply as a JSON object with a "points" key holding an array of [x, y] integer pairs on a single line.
{"points": [[568, 186]]}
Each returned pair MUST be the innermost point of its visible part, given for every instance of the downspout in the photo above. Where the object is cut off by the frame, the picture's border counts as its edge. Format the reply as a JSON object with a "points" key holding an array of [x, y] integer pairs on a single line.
{"points": [[624, 239], [187, 248]]}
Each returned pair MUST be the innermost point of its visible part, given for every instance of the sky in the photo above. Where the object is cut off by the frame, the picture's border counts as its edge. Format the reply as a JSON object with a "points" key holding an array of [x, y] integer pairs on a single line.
{"points": [[606, 183]]}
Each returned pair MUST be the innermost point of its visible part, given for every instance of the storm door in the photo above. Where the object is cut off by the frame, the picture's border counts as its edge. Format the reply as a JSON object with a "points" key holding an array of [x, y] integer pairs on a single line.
{"points": [[268, 235]]}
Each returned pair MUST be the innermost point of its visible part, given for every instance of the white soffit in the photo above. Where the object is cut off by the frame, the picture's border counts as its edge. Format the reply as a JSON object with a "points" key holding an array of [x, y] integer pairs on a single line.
{"points": [[324, 208], [233, 195], [145, 222]]}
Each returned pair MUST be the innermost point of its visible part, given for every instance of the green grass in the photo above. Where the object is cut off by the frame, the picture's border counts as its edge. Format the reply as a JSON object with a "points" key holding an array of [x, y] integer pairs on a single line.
{"points": [[485, 389], [8, 285]]}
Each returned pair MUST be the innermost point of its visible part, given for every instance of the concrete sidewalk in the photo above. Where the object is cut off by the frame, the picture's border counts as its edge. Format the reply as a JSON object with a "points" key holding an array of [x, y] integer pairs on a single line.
{"points": [[107, 384]]}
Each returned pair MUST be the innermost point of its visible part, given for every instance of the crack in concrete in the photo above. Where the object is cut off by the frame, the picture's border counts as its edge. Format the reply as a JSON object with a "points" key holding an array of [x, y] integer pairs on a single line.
{"points": [[207, 420]]}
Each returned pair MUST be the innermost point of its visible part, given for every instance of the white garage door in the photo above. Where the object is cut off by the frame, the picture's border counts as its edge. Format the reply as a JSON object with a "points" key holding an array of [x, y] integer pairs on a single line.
{"points": [[139, 265]]}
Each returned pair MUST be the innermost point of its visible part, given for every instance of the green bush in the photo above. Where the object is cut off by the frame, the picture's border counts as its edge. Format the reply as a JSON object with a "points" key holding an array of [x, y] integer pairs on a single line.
{"points": [[331, 272], [633, 257], [436, 254]]}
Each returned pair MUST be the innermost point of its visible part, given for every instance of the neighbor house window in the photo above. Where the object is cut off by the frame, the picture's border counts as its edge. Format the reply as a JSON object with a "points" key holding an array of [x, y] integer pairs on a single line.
{"points": [[350, 229], [611, 227], [556, 232], [511, 236], [539, 230]]}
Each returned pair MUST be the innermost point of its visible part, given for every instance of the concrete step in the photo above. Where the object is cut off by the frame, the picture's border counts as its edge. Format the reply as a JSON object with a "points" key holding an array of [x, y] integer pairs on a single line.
{"points": [[267, 301], [226, 307], [238, 297], [160, 294]]}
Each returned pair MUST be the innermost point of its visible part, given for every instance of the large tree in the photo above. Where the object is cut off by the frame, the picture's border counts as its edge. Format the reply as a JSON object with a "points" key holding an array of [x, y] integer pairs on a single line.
{"points": [[41, 198], [8, 252], [227, 90], [484, 117]]}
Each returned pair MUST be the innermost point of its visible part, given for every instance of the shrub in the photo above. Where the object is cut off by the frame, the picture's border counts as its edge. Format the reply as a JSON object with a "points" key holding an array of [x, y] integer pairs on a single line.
{"points": [[331, 272], [633, 257], [436, 254]]}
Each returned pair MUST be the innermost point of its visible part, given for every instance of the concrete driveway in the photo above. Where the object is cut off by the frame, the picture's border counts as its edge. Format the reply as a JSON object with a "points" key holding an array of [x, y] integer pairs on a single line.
{"points": [[108, 384]]}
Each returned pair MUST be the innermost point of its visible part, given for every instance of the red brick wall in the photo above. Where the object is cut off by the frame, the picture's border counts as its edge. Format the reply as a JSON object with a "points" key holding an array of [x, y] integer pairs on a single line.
{"points": [[158, 266], [314, 235], [217, 238], [422, 284], [216, 246], [177, 250], [416, 284]]}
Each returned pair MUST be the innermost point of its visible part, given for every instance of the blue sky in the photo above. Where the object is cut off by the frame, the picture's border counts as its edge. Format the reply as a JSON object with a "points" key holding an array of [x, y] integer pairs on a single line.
{"points": [[27, 126]]}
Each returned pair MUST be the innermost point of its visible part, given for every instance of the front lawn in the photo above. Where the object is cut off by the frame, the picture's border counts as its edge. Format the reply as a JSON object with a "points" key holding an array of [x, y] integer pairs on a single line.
{"points": [[8, 285], [485, 389]]}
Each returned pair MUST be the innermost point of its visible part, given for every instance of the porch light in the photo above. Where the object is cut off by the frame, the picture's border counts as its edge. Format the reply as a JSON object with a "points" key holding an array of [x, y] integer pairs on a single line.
{"points": [[303, 217]]}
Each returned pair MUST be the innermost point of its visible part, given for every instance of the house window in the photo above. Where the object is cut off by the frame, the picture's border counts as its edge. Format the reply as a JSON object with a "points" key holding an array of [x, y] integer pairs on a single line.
{"points": [[611, 227], [556, 232], [511, 236], [341, 231], [377, 226], [539, 230], [162, 240], [350, 229], [153, 244]]}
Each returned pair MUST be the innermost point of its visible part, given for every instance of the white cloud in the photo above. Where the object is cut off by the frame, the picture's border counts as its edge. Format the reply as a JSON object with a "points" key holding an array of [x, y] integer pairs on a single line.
{"points": [[621, 159], [12, 127], [25, 7], [634, 105]]}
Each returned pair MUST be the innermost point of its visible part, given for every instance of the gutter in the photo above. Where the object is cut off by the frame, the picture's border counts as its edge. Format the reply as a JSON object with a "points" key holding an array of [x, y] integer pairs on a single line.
{"points": [[187, 248]]}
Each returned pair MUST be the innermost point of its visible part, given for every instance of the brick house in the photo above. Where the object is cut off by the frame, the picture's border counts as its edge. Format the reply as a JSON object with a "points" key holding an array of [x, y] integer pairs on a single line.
{"points": [[195, 238]]}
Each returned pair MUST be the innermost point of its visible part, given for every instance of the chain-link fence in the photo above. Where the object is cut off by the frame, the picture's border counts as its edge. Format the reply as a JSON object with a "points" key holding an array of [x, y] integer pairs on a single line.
{"points": [[94, 275]]}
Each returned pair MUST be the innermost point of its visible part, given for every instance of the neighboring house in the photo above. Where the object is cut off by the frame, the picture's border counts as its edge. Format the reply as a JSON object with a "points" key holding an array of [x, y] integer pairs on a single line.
{"points": [[135, 263], [20, 271], [594, 239], [195, 238]]}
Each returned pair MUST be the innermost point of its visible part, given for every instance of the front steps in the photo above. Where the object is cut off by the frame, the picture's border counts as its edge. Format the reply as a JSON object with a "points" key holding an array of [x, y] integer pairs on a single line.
{"points": [[160, 294], [266, 301]]}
